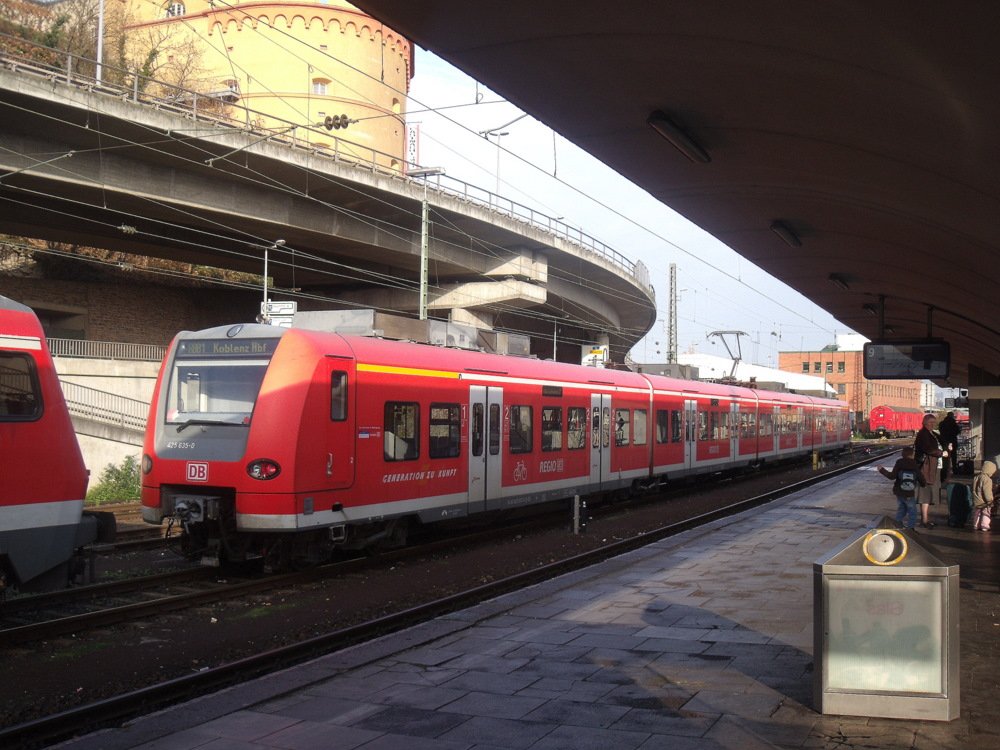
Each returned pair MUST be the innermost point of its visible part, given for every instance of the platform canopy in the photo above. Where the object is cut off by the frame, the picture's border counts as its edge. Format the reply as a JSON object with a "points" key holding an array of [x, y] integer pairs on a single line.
{"points": [[848, 148]]}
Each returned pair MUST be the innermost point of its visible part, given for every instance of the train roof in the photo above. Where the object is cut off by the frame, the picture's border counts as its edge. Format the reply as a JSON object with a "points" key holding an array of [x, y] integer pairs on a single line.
{"points": [[899, 409], [6, 303], [429, 357], [18, 320]]}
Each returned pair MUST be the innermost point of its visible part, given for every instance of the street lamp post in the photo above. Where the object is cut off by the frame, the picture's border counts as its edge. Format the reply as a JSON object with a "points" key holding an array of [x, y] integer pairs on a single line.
{"points": [[424, 224]]}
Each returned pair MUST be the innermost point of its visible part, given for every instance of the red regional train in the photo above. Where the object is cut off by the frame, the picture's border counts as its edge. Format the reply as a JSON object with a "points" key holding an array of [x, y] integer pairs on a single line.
{"points": [[894, 421], [43, 479], [286, 443]]}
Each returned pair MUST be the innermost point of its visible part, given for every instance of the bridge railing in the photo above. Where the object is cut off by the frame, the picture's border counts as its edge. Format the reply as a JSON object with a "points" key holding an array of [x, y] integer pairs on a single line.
{"points": [[104, 407], [220, 107], [106, 350]]}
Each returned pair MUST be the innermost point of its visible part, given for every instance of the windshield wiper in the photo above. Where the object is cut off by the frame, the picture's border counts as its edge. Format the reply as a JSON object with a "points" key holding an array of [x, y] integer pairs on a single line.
{"points": [[188, 423]]}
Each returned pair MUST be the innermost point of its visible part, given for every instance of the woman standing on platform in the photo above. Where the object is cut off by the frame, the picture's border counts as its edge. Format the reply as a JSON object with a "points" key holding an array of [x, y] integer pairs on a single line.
{"points": [[930, 455]]}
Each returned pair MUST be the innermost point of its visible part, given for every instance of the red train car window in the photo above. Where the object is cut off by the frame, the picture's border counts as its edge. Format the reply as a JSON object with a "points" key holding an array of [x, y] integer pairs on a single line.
{"points": [[520, 429], [478, 413], [662, 425], [402, 431], [338, 396], [606, 427], [621, 426], [552, 428], [576, 428], [675, 426], [445, 431], [639, 427], [494, 429], [20, 395]]}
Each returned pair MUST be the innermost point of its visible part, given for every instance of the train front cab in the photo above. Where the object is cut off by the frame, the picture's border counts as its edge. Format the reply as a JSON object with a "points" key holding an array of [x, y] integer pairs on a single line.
{"points": [[250, 430]]}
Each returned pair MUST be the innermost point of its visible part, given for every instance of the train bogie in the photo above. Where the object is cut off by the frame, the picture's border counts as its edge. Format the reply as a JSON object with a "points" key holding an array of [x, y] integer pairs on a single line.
{"points": [[347, 441]]}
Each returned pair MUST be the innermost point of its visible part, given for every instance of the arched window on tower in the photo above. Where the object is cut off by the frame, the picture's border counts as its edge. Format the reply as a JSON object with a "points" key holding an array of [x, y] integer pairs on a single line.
{"points": [[175, 8]]}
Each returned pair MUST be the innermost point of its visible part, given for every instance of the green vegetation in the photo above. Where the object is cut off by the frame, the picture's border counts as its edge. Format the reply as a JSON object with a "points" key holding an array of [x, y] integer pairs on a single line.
{"points": [[117, 483]]}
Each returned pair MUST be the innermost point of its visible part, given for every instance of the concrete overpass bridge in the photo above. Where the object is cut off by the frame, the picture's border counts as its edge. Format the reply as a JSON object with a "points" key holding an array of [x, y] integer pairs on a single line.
{"points": [[176, 177]]}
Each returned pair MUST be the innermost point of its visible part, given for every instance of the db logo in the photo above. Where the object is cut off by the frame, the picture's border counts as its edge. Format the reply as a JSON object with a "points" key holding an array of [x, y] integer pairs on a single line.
{"points": [[197, 472]]}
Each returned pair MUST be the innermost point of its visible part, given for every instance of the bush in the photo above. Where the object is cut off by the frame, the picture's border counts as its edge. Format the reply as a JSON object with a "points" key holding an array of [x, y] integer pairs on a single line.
{"points": [[117, 483]]}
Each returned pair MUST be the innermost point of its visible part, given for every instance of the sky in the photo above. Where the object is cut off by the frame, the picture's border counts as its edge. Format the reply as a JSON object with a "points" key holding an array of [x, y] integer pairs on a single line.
{"points": [[589, 195]]}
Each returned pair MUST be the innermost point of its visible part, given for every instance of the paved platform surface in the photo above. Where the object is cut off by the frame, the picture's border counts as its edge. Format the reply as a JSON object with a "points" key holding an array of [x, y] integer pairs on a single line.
{"points": [[699, 642]]}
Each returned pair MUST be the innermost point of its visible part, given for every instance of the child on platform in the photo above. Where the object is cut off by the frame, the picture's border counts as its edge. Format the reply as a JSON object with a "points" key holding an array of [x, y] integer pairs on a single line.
{"points": [[982, 497], [907, 475]]}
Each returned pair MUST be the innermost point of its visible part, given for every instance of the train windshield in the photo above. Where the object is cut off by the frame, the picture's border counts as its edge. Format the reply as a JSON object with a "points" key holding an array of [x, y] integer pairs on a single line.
{"points": [[216, 382]]}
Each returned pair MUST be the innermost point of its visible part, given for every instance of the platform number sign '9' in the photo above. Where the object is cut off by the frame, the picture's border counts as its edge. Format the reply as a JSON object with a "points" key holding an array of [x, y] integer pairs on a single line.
{"points": [[197, 472]]}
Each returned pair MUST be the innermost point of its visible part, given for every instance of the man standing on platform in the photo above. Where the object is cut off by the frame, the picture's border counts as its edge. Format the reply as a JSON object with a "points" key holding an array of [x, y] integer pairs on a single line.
{"points": [[930, 455]]}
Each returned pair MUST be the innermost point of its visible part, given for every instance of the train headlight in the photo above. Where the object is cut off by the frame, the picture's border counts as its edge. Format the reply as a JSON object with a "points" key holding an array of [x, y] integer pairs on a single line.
{"points": [[263, 468], [147, 463]]}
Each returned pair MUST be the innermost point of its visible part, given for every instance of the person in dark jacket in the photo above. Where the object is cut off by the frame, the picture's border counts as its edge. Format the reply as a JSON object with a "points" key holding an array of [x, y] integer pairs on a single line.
{"points": [[930, 456], [907, 476], [949, 431]]}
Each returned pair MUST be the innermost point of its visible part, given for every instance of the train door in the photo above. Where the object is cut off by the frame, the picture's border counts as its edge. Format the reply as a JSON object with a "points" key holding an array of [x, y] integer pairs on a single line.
{"points": [[690, 433], [340, 433], [600, 438], [485, 429]]}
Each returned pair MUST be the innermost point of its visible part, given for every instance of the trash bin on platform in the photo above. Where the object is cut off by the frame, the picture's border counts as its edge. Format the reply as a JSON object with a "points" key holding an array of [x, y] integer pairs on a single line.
{"points": [[886, 628]]}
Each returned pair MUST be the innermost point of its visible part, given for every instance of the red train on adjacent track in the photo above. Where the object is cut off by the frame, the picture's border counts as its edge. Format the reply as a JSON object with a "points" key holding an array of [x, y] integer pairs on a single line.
{"points": [[895, 421], [287, 443], [43, 480]]}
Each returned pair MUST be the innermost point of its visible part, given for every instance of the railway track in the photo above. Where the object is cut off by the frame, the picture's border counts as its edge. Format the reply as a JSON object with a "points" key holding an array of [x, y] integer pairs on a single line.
{"points": [[111, 710], [71, 611]]}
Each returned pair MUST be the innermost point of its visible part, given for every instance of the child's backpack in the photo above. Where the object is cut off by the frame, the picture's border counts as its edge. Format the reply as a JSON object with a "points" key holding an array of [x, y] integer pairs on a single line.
{"points": [[907, 480], [959, 504]]}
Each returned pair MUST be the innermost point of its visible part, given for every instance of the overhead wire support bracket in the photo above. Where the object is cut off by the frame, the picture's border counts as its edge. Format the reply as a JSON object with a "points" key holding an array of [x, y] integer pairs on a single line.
{"points": [[36, 165], [268, 137]]}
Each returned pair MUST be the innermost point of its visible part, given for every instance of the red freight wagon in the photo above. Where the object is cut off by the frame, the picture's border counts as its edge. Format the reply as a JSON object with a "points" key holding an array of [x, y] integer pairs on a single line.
{"points": [[893, 421]]}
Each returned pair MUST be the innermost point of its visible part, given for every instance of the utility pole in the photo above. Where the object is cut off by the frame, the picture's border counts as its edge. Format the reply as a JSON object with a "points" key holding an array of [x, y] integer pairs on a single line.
{"points": [[424, 235], [672, 318]]}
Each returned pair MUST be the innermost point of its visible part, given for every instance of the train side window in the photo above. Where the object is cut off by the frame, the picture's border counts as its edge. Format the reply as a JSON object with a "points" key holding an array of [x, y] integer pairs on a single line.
{"points": [[20, 394], [639, 427], [402, 431], [675, 426], [478, 414], [703, 425], [338, 396], [724, 425], [551, 428], [576, 428], [520, 429], [595, 428], [606, 427], [765, 424], [662, 425], [621, 426], [494, 429], [445, 431]]}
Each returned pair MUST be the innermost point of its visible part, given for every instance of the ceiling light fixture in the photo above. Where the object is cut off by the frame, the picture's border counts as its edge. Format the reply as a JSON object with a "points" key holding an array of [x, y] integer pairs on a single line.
{"points": [[871, 309], [839, 280], [786, 233], [679, 139]]}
